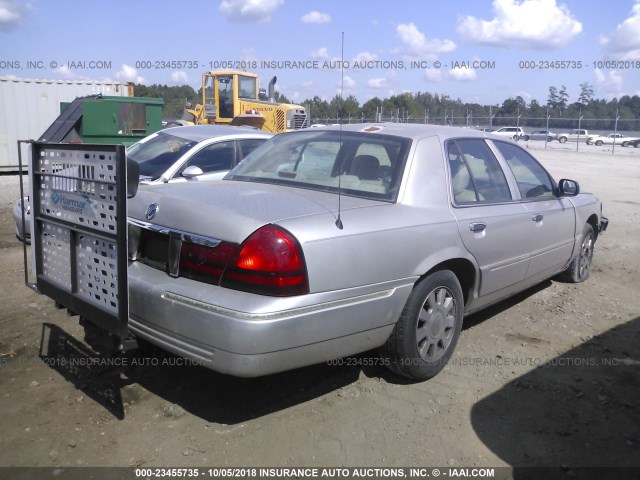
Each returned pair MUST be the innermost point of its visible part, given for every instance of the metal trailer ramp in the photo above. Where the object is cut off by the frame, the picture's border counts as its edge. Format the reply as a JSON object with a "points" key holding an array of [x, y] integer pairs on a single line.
{"points": [[79, 207]]}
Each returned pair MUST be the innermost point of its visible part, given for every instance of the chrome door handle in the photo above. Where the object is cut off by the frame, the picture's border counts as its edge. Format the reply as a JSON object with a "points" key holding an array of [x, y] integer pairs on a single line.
{"points": [[537, 217], [477, 227]]}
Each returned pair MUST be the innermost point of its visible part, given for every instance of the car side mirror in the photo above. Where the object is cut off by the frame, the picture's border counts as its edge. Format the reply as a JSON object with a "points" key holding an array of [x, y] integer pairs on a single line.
{"points": [[133, 177], [568, 188], [192, 171]]}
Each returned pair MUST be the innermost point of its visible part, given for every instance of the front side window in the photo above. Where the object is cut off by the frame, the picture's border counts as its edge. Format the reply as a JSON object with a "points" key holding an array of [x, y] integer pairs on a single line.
{"points": [[476, 175], [212, 158], [359, 164], [532, 179]]}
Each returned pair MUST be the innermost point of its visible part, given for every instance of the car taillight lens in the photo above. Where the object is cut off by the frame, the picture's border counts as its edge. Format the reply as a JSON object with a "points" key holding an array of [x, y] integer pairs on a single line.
{"points": [[204, 263], [269, 262]]}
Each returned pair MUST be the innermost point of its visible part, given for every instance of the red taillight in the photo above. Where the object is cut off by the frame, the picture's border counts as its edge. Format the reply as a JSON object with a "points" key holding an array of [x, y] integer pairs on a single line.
{"points": [[269, 262], [205, 264]]}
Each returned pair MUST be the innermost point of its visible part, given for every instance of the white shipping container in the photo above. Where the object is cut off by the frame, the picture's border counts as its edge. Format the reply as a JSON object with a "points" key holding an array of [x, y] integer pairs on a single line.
{"points": [[28, 107]]}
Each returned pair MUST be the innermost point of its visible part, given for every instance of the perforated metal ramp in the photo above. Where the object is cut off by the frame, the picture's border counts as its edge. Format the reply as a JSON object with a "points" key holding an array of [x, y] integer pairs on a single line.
{"points": [[80, 230]]}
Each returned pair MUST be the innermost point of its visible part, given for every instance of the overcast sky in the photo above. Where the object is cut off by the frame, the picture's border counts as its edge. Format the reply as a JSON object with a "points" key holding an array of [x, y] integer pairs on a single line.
{"points": [[387, 44]]}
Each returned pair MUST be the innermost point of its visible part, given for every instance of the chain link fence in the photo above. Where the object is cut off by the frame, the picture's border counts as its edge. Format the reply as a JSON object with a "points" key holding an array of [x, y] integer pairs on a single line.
{"points": [[598, 125]]}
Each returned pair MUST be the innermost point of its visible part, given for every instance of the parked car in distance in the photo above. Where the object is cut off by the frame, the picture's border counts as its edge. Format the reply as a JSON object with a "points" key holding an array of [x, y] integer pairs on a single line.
{"points": [[180, 154], [539, 135], [23, 233], [575, 135], [332, 241], [510, 132], [196, 152], [610, 139]]}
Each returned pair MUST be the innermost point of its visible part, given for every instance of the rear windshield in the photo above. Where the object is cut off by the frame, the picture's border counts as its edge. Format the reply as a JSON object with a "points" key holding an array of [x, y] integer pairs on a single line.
{"points": [[360, 164]]}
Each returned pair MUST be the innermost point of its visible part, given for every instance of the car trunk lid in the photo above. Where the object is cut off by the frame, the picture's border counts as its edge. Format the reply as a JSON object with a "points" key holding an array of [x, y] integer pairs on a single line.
{"points": [[232, 210]]}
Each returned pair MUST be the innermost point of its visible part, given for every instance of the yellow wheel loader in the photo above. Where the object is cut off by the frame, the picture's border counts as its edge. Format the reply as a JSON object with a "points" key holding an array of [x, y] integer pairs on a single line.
{"points": [[232, 97]]}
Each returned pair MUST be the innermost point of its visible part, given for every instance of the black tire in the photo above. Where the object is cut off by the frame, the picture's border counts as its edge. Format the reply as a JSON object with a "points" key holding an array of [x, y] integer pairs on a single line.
{"points": [[578, 270], [562, 139], [526, 138], [625, 144], [598, 143], [549, 139], [427, 331], [589, 141]]}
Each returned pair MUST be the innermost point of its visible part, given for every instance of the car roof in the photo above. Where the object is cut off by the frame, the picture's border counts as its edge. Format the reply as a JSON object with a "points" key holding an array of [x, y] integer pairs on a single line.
{"points": [[408, 130], [199, 133]]}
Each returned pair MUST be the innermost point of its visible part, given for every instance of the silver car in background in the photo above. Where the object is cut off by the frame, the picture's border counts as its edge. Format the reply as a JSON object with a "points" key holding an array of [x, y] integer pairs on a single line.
{"points": [[197, 152], [179, 154], [23, 230], [543, 135], [331, 241]]}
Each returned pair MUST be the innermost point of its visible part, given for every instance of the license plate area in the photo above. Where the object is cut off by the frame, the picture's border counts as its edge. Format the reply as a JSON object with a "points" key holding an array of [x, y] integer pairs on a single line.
{"points": [[154, 249]]}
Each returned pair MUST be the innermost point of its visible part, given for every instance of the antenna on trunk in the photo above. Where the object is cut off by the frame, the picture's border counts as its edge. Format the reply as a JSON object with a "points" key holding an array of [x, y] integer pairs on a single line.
{"points": [[339, 220]]}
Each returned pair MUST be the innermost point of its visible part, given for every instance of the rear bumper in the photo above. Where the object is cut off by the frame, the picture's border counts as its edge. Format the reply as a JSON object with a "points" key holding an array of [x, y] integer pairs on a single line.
{"points": [[256, 365], [248, 335]]}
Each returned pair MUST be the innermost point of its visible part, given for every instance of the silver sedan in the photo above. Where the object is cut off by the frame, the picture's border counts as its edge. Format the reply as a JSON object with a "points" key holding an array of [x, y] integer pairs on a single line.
{"points": [[332, 241]]}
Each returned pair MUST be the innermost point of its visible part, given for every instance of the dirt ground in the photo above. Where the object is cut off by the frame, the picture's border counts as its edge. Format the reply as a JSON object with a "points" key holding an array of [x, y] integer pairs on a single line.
{"points": [[548, 378]]}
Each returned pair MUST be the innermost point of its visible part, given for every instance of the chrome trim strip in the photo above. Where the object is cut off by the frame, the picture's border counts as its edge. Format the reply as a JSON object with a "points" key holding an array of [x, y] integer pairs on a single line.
{"points": [[506, 263], [175, 233], [281, 315]]}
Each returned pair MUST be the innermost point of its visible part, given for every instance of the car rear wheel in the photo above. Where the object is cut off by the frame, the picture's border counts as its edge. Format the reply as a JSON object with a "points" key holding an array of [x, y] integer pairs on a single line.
{"points": [[598, 143], [427, 331], [526, 138], [562, 139], [578, 270], [625, 144]]}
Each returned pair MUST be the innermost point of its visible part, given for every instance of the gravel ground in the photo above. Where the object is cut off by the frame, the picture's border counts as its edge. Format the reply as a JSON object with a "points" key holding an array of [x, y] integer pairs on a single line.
{"points": [[547, 378]]}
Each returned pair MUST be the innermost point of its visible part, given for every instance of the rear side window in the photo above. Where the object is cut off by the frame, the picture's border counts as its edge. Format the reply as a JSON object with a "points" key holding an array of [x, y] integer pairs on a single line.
{"points": [[248, 145], [476, 175], [533, 180]]}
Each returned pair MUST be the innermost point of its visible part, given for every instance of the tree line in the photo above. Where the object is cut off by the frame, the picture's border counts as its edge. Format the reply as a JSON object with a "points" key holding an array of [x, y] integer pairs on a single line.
{"points": [[174, 97], [437, 108]]}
